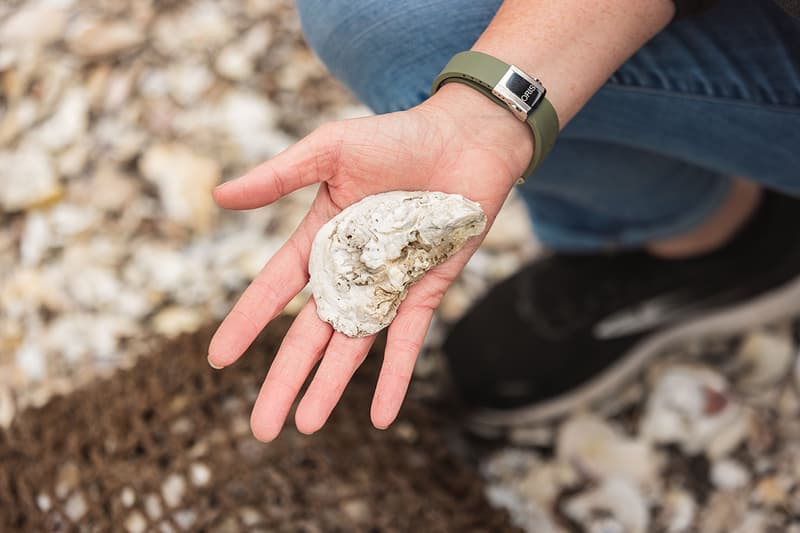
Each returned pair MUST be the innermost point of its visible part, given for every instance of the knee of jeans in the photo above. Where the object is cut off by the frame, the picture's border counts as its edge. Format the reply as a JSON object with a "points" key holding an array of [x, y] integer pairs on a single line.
{"points": [[320, 20], [366, 44]]}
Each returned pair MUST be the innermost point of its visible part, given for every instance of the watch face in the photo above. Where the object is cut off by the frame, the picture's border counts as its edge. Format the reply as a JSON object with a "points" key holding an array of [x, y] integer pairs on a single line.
{"points": [[525, 90]]}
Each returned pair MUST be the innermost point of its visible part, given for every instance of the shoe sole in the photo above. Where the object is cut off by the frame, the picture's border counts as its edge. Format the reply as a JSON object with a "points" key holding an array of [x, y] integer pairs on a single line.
{"points": [[770, 306]]}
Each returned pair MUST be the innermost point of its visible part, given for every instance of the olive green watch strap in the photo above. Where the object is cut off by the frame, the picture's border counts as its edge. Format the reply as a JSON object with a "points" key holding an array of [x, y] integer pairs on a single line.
{"points": [[509, 87]]}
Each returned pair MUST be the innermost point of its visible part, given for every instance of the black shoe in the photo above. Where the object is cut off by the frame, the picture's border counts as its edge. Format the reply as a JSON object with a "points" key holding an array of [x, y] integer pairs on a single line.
{"points": [[570, 329]]}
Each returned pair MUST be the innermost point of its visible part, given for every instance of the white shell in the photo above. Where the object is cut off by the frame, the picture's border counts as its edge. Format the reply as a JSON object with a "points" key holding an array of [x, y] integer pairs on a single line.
{"points": [[615, 505], [600, 451], [692, 406], [365, 258]]}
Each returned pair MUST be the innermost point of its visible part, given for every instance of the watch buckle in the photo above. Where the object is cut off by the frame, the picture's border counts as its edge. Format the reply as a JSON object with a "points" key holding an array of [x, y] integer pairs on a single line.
{"points": [[520, 92]]}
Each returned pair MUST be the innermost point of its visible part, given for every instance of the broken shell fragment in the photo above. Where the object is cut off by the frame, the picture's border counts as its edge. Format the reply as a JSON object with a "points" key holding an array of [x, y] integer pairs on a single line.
{"points": [[365, 258], [694, 408]]}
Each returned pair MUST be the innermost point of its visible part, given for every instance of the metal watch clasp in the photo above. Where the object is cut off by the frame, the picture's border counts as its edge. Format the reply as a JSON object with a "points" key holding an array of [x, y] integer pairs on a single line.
{"points": [[520, 92]]}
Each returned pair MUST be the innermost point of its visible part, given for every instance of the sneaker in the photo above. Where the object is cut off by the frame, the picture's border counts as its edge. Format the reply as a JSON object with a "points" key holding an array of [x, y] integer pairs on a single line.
{"points": [[569, 330]]}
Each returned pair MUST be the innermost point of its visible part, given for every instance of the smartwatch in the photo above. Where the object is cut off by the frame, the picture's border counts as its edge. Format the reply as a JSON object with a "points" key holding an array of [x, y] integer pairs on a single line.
{"points": [[510, 87]]}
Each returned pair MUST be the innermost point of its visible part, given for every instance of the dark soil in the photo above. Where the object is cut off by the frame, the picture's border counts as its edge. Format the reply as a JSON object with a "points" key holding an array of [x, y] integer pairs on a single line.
{"points": [[97, 459]]}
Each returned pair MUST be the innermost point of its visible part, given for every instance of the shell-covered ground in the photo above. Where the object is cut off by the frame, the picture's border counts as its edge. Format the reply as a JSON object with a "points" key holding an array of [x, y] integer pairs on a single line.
{"points": [[116, 121]]}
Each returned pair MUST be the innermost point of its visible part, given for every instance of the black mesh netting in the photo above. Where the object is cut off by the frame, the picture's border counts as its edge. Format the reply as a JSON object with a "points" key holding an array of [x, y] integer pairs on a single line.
{"points": [[166, 446]]}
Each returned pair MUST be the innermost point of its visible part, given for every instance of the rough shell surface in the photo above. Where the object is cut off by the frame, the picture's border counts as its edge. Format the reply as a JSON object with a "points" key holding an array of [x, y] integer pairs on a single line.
{"points": [[364, 259]]}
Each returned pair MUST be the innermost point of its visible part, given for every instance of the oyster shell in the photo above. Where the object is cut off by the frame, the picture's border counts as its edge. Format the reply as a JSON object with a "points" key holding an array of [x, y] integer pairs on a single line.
{"points": [[365, 258]]}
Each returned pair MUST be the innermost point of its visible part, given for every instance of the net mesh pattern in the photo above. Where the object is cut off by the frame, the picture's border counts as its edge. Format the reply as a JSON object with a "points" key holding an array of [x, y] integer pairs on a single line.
{"points": [[166, 446]]}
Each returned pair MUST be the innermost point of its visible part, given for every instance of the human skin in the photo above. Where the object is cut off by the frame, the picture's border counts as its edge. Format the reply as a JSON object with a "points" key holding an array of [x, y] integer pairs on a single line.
{"points": [[457, 141]]}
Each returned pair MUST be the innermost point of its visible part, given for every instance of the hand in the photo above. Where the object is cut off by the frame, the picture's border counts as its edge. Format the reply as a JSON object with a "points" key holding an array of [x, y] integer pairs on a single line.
{"points": [[456, 142]]}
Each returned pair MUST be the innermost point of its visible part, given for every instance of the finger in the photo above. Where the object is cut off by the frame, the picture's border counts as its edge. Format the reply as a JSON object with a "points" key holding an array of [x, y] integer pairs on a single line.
{"points": [[343, 356], [403, 343], [279, 281], [299, 352], [311, 160]]}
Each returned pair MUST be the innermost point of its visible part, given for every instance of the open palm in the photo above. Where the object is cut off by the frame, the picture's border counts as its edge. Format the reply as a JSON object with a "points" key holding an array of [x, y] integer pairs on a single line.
{"points": [[424, 148]]}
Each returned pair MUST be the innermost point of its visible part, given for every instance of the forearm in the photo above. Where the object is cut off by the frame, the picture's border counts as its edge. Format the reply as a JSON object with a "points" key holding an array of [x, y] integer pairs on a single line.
{"points": [[572, 46]]}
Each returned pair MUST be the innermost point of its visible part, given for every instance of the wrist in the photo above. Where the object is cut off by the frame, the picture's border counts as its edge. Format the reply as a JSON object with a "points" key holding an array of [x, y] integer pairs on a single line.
{"points": [[572, 46], [482, 122]]}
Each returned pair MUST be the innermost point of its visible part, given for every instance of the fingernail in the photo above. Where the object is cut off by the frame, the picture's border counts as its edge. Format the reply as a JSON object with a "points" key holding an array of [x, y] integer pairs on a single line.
{"points": [[212, 365]]}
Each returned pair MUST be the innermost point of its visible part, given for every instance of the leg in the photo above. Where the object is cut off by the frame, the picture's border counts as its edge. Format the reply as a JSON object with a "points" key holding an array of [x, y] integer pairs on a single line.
{"points": [[591, 195], [388, 53], [721, 97], [648, 158], [731, 217]]}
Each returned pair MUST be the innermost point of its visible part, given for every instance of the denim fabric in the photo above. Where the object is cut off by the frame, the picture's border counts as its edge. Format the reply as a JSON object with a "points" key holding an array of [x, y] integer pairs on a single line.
{"points": [[652, 153]]}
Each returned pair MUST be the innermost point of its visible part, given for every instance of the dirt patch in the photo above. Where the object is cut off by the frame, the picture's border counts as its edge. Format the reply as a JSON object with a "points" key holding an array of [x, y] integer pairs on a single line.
{"points": [[165, 446]]}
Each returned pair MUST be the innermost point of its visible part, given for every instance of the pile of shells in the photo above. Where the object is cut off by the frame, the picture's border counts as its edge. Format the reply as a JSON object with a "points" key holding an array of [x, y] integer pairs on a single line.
{"points": [[705, 440]]}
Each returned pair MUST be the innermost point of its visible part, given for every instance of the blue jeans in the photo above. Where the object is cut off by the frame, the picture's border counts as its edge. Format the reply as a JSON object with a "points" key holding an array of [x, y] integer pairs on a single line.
{"points": [[652, 154]]}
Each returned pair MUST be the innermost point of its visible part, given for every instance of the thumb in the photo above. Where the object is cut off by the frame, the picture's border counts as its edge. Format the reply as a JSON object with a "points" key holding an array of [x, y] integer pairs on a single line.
{"points": [[313, 159]]}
